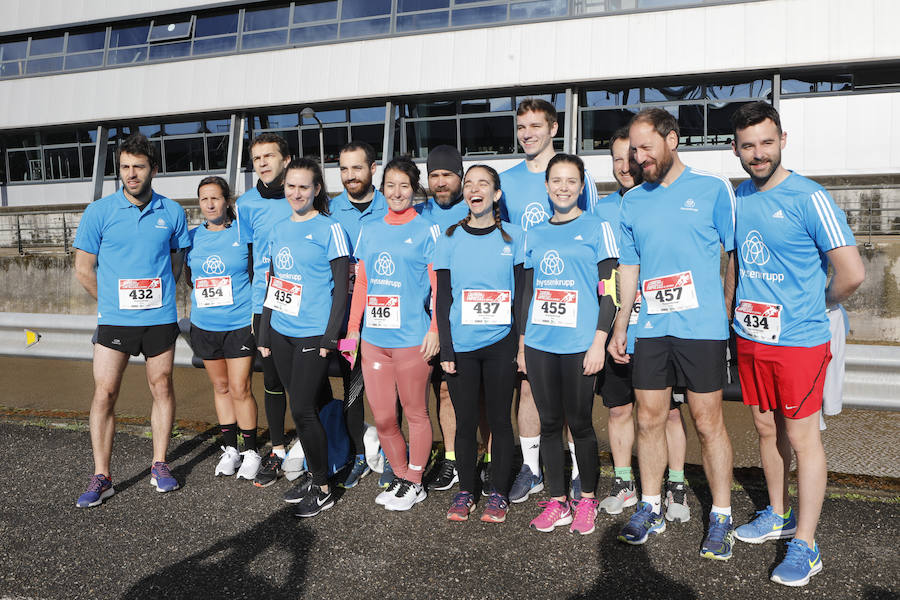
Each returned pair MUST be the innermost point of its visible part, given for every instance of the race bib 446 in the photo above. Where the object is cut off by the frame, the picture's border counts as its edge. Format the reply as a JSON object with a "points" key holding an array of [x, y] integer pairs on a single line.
{"points": [[383, 312]]}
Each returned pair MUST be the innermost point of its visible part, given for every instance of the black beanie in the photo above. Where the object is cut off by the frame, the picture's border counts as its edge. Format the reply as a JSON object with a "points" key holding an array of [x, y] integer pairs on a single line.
{"points": [[446, 158]]}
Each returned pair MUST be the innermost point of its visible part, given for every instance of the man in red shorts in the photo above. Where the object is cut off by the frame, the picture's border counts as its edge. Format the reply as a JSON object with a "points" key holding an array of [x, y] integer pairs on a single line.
{"points": [[787, 230]]}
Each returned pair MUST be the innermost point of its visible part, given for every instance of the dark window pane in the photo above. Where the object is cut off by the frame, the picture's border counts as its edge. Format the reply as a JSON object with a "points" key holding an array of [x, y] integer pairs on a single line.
{"points": [[264, 40], [266, 18], [335, 138], [316, 11], [353, 9], [559, 142], [876, 78], [690, 124], [129, 35], [597, 126], [170, 29], [718, 122], [88, 40], [25, 165], [12, 69], [675, 92], [3, 177], [276, 121], [363, 115], [218, 126], [124, 57], [421, 136], [483, 105], [433, 20], [184, 155], [84, 61], [176, 50], [111, 161], [373, 134], [557, 100], [59, 136], [183, 128], [215, 45], [436, 108], [217, 150], [46, 45], [13, 50], [21, 140], [316, 33], [62, 163], [487, 136], [216, 24], [477, 16], [44, 65], [413, 5], [797, 86], [87, 161], [612, 97], [759, 88], [365, 28], [328, 116], [813, 83], [540, 9]]}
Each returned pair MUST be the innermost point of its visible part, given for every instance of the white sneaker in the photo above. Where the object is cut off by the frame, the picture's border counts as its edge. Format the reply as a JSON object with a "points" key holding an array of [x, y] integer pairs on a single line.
{"points": [[292, 467], [408, 495], [250, 465], [229, 462], [388, 493]]}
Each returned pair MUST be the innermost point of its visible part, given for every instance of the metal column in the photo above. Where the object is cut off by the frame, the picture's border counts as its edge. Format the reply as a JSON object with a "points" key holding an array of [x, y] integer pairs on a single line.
{"points": [[235, 147], [387, 148], [100, 160]]}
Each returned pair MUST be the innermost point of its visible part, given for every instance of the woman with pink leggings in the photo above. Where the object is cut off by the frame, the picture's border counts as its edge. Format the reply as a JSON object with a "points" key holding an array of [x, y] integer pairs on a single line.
{"points": [[394, 287]]}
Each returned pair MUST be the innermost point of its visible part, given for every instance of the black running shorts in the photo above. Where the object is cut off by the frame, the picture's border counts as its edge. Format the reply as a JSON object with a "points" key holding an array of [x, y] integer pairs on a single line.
{"points": [[150, 340], [698, 365], [214, 345]]}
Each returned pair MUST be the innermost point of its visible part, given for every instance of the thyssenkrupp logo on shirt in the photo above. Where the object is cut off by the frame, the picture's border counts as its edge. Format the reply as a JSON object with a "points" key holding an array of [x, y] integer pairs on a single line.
{"points": [[552, 263], [213, 265], [534, 214], [283, 260], [384, 264], [754, 251]]}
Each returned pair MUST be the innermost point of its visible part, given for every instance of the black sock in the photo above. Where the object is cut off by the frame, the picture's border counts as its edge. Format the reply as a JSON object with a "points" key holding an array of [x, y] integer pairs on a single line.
{"points": [[229, 434], [248, 437]]}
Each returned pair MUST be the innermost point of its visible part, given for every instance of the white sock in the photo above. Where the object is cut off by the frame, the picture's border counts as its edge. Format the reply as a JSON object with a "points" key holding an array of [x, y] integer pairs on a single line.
{"points": [[654, 501], [574, 461], [531, 453], [721, 510]]}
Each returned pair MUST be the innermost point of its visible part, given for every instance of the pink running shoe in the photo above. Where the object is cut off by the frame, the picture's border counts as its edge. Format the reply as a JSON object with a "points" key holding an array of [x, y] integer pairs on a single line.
{"points": [[585, 511], [555, 513]]}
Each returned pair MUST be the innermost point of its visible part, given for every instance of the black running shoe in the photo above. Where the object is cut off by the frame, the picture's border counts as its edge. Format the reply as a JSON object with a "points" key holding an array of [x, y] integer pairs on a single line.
{"points": [[314, 502], [299, 491], [269, 470], [443, 475]]}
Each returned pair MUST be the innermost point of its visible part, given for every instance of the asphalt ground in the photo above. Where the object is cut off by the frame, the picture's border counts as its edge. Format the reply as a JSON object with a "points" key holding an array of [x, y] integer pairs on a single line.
{"points": [[222, 538]]}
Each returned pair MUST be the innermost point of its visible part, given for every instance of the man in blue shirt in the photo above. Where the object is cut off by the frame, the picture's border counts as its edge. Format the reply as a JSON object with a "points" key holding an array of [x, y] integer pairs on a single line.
{"points": [[359, 203], [674, 226], [788, 229], [129, 253]]}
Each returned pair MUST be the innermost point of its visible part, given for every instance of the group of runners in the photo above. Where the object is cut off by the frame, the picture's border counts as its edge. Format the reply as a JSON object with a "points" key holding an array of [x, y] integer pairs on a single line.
{"points": [[520, 285]]}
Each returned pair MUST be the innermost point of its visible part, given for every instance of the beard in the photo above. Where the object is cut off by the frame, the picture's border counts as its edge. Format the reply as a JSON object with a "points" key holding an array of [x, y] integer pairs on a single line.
{"points": [[365, 186], [141, 191], [758, 178], [663, 165]]}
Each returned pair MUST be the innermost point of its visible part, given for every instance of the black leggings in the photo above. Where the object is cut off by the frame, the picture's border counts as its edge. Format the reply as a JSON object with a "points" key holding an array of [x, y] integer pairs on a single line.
{"points": [[563, 394], [494, 367], [275, 401], [304, 374], [354, 408]]}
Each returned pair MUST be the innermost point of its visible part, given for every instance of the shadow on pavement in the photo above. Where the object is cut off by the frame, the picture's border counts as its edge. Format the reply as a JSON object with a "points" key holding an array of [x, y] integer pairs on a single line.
{"points": [[875, 593], [627, 572], [181, 450], [226, 569]]}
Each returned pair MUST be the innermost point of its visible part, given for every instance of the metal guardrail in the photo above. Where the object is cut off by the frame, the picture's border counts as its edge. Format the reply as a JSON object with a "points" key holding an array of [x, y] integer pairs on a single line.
{"points": [[871, 382]]}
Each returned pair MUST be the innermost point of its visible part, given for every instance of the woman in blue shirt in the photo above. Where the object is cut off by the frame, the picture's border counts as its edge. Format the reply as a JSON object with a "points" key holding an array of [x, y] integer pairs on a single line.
{"points": [[219, 270]]}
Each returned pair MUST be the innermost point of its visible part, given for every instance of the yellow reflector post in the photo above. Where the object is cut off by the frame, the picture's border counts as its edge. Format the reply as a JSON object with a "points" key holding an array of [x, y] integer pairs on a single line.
{"points": [[31, 338]]}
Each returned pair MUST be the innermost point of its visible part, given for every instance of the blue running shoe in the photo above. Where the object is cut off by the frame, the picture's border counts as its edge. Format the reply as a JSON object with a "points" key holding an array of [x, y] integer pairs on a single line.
{"points": [[719, 538], [99, 489], [360, 469], [161, 478], [641, 524], [526, 483], [799, 564], [768, 525], [387, 476]]}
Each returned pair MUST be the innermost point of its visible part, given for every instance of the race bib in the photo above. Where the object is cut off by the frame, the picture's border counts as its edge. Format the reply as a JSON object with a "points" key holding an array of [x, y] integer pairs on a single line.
{"points": [[283, 296], [670, 293], [383, 312], [557, 308], [760, 320], [138, 294], [635, 309], [213, 291], [486, 307]]}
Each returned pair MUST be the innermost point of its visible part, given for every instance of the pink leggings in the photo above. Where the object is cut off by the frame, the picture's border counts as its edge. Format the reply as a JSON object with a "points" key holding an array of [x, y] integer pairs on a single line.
{"points": [[387, 372]]}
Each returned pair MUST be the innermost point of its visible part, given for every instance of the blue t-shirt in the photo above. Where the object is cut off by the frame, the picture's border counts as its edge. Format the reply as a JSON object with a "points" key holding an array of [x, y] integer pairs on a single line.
{"points": [[562, 316], [479, 263], [256, 218], [525, 202], [213, 256], [301, 253], [674, 234], [782, 236], [131, 244], [443, 216], [343, 211], [396, 259]]}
